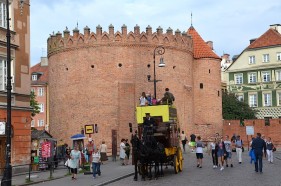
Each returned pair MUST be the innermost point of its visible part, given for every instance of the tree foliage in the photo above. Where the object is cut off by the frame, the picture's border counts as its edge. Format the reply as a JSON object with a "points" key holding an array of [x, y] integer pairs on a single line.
{"points": [[232, 108], [34, 104]]}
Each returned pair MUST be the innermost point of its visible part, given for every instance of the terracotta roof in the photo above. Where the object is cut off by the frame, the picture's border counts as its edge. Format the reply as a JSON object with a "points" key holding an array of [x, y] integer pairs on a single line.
{"points": [[43, 70], [270, 38], [200, 48]]}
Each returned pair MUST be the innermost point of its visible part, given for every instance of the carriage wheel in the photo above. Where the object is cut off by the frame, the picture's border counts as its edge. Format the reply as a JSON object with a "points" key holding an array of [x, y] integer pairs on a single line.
{"points": [[176, 164], [180, 159]]}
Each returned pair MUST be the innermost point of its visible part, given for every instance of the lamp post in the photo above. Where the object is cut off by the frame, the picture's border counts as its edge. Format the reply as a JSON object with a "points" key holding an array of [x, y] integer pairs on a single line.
{"points": [[7, 177], [159, 50]]}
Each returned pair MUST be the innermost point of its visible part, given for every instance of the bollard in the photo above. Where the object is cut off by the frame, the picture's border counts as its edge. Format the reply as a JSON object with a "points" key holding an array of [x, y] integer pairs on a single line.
{"points": [[51, 171], [29, 173]]}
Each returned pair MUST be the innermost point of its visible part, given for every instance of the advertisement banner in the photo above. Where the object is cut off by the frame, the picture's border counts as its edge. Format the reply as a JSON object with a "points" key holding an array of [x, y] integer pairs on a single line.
{"points": [[46, 149]]}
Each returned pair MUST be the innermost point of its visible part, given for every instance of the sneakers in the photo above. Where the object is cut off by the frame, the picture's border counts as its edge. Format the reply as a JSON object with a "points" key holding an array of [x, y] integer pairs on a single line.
{"points": [[221, 168], [94, 177], [214, 166], [198, 165]]}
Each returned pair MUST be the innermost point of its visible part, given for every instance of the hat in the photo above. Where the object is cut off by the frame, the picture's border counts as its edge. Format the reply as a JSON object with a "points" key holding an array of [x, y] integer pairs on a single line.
{"points": [[90, 139]]}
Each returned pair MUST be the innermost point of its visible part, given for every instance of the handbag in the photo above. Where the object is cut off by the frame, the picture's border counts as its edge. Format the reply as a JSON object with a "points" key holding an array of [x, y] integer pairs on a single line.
{"points": [[66, 163], [273, 149]]}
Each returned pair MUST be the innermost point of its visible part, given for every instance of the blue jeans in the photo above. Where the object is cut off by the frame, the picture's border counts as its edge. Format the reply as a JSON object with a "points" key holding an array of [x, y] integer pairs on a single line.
{"points": [[258, 164], [96, 169]]}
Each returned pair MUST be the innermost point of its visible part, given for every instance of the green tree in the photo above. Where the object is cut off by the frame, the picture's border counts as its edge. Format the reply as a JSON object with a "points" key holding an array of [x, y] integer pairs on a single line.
{"points": [[34, 104], [232, 108]]}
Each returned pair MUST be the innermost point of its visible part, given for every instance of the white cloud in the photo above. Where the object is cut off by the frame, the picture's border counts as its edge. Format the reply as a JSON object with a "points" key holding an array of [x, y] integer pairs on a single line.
{"points": [[229, 24]]}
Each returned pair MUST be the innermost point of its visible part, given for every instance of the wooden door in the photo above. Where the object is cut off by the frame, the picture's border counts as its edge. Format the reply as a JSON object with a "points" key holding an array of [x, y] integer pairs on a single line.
{"points": [[114, 144]]}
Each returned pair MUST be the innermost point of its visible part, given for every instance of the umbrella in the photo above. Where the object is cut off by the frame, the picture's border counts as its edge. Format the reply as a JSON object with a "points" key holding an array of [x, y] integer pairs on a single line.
{"points": [[78, 136]]}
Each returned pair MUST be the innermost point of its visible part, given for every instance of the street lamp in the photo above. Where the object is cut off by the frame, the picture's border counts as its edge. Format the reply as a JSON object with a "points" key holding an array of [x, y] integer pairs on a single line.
{"points": [[159, 50], [7, 177]]}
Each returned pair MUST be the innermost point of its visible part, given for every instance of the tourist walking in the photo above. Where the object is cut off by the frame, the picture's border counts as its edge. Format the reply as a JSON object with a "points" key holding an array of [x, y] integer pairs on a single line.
{"points": [[183, 140], [75, 161], [269, 150], [228, 149], [199, 151], [122, 151], [213, 150], [258, 146], [96, 161], [192, 142], [239, 147], [103, 152], [90, 148], [127, 151], [221, 152]]}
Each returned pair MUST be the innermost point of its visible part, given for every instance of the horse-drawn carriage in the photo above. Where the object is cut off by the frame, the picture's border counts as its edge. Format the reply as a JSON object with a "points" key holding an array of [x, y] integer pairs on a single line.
{"points": [[156, 145]]}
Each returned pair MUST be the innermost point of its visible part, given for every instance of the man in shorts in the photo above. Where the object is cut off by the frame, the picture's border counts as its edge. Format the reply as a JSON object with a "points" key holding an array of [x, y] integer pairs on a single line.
{"points": [[228, 149], [192, 142]]}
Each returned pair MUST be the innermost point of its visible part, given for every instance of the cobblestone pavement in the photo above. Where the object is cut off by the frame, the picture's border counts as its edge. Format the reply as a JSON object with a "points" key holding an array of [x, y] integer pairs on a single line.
{"points": [[240, 174]]}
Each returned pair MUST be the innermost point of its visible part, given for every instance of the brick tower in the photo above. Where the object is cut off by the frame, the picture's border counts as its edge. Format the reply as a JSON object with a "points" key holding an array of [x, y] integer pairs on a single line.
{"points": [[97, 78]]}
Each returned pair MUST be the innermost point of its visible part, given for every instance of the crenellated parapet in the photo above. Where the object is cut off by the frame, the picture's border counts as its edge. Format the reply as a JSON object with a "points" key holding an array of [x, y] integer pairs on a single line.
{"points": [[60, 42]]}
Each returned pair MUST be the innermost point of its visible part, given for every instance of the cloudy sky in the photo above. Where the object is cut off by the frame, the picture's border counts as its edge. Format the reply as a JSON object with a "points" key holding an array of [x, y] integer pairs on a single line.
{"points": [[230, 24]]}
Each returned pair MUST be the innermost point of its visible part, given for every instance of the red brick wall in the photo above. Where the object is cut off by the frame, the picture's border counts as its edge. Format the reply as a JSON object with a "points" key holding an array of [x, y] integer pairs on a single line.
{"points": [[231, 127]]}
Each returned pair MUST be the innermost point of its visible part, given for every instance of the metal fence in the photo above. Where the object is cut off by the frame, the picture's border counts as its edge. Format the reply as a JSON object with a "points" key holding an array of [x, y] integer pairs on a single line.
{"points": [[50, 166]]}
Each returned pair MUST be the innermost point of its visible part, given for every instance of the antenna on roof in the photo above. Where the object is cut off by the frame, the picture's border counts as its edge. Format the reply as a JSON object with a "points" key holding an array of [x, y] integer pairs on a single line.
{"points": [[191, 18]]}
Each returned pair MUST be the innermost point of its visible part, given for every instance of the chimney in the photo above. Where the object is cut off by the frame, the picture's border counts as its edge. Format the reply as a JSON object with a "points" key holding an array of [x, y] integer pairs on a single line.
{"points": [[252, 40], [44, 61], [225, 56], [276, 27], [210, 44]]}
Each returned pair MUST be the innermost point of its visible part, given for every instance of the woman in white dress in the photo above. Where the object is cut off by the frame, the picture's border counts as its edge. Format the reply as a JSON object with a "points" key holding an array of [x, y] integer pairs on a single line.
{"points": [[75, 161], [122, 151]]}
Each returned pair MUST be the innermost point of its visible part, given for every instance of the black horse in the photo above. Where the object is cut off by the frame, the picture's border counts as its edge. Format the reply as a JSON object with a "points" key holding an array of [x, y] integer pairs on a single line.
{"points": [[148, 153]]}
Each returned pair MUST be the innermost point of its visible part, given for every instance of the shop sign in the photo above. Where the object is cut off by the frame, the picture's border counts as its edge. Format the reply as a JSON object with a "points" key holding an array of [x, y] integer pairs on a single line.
{"points": [[250, 130], [2, 128], [89, 129]]}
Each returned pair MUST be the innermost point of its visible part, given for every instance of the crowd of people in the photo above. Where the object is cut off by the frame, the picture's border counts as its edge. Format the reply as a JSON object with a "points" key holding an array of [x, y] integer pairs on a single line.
{"points": [[91, 153], [222, 148]]}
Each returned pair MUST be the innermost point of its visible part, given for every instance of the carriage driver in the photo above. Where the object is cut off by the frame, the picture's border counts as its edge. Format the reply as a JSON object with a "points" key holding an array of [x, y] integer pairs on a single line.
{"points": [[149, 122]]}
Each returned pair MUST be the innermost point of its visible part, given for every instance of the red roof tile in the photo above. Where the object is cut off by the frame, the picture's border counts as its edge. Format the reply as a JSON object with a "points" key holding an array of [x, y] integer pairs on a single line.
{"points": [[200, 48], [40, 69], [270, 38]]}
